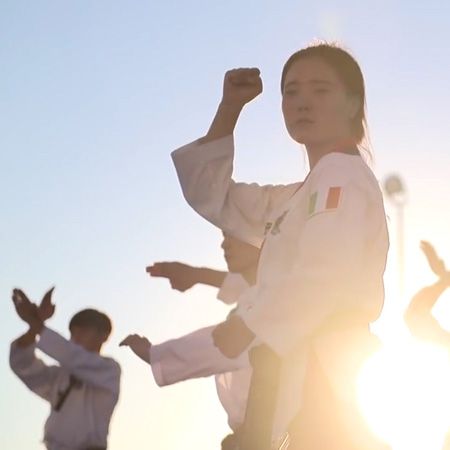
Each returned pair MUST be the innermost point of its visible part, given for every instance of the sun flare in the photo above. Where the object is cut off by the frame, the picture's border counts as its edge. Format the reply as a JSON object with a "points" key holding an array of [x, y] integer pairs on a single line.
{"points": [[404, 394]]}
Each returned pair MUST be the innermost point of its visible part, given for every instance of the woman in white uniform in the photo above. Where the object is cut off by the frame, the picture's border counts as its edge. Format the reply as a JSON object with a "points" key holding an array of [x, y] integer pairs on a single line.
{"points": [[320, 273]]}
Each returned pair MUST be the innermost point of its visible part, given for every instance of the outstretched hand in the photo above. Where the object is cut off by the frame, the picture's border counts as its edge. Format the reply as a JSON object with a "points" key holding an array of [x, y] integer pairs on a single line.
{"points": [[232, 337], [437, 265], [140, 346], [181, 276]]}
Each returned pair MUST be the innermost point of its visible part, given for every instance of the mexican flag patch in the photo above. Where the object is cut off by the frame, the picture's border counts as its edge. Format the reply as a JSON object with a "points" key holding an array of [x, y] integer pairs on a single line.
{"points": [[324, 200]]}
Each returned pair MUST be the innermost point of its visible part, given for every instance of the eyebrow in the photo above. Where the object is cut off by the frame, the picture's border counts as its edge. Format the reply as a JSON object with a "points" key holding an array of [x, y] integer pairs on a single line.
{"points": [[313, 81]]}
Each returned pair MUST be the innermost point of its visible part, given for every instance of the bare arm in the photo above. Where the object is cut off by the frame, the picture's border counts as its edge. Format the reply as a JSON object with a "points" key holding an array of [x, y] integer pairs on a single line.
{"points": [[211, 277], [418, 315], [240, 86], [183, 276], [27, 339]]}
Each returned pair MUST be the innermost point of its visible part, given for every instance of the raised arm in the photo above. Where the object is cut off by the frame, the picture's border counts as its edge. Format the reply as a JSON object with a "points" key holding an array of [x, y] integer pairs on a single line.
{"points": [[240, 86], [89, 367], [205, 167], [33, 372], [419, 318]]}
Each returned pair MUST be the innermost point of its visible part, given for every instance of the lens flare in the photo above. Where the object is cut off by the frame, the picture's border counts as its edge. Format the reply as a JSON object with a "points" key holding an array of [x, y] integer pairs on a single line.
{"points": [[404, 394]]}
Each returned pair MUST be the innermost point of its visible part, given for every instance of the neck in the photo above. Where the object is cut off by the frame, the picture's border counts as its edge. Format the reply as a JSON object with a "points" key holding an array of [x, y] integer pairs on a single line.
{"points": [[94, 348], [249, 275], [319, 150]]}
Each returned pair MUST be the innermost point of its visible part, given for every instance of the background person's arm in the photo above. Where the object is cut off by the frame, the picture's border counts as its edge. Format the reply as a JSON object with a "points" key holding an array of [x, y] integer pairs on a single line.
{"points": [[183, 276], [419, 317]]}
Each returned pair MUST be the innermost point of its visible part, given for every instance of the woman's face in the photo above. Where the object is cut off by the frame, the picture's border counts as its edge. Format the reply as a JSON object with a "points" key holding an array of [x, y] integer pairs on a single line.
{"points": [[316, 106]]}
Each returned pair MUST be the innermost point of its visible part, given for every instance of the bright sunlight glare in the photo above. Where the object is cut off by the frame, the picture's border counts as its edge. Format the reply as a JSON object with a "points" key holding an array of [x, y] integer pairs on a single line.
{"points": [[404, 394]]}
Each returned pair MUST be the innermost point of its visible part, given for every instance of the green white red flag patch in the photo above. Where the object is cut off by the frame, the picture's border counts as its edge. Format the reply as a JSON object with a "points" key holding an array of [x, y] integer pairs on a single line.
{"points": [[324, 200]]}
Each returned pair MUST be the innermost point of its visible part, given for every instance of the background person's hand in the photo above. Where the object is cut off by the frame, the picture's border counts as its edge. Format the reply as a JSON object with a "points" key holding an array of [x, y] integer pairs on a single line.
{"points": [[46, 308], [25, 309], [437, 265], [181, 276], [232, 337], [140, 345]]}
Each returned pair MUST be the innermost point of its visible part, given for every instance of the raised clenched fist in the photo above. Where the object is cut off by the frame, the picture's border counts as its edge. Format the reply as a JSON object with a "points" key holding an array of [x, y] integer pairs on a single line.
{"points": [[241, 86]]}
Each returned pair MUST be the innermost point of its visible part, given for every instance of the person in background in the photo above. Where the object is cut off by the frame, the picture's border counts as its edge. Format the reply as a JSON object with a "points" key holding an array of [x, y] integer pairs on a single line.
{"points": [[83, 388], [195, 355], [418, 315]]}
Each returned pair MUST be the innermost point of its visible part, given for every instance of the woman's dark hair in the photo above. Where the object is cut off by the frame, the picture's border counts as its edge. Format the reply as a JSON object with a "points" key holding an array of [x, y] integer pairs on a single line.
{"points": [[91, 318], [348, 71]]}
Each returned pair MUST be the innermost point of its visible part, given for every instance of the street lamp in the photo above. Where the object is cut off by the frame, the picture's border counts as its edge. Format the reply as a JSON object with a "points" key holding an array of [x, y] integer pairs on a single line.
{"points": [[395, 191]]}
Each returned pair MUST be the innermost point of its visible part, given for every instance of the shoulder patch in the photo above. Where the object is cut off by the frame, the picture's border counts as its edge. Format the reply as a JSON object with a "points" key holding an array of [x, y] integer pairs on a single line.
{"points": [[323, 200]]}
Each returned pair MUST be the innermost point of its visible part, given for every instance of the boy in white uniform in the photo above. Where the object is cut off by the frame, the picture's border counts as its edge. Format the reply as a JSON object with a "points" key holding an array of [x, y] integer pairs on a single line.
{"points": [[320, 274], [195, 355], [83, 389]]}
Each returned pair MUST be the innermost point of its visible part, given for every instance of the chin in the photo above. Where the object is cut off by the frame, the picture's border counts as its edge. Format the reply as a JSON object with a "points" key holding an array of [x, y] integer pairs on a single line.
{"points": [[307, 140], [300, 138]]}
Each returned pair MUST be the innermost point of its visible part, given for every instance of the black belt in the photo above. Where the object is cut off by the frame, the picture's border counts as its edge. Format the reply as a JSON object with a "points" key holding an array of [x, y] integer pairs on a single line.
{"points": [[262, 397]]}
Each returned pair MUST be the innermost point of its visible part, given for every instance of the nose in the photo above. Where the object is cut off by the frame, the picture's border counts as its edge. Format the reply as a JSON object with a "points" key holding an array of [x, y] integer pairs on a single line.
{"points": [[303, 107], [303, 104], [302, 101]]}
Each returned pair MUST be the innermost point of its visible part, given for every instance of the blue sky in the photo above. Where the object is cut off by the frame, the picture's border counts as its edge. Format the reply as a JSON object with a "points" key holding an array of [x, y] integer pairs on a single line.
{"points": [[95, 95]]}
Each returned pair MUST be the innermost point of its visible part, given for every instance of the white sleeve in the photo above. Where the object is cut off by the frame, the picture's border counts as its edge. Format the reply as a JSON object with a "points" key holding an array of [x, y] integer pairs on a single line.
{"points": [[36, 375], [240, 209], [191, 356], [338, 268], [89, 367], [234, 284]]}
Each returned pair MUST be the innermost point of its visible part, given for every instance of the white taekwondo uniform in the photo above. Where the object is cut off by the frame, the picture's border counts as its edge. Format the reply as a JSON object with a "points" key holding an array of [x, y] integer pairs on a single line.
{"points": [[323, 258], [195, 356], [83, 419]]}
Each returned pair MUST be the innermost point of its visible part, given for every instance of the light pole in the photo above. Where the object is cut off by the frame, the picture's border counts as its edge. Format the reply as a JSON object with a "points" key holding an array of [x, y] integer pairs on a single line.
{"points": [[395, 191]]}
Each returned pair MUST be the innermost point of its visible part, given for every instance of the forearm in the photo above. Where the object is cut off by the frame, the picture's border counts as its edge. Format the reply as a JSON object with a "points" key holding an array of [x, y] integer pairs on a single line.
{"points": [[210, 277], [86, 365], [423, 302], [224, 122], [29, 337]]}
